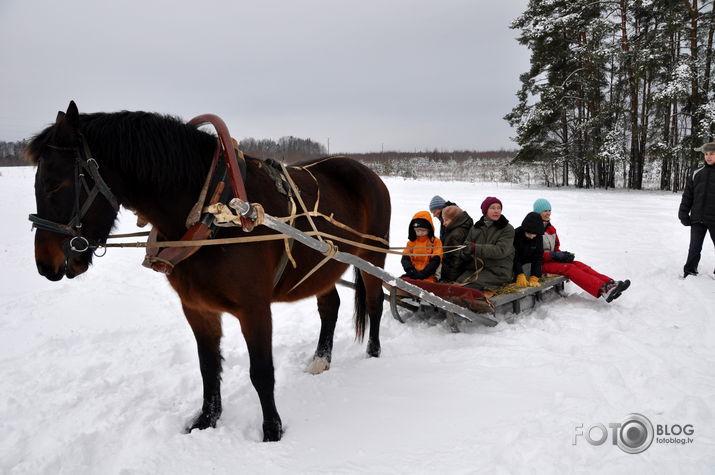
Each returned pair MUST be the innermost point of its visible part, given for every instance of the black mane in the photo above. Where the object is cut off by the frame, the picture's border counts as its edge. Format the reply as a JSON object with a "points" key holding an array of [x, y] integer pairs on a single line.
{"points": [[161, 151]]}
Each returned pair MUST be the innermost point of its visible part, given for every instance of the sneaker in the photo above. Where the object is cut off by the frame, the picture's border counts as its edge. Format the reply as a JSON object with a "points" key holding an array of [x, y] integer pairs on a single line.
{"points": [[614, 289]]}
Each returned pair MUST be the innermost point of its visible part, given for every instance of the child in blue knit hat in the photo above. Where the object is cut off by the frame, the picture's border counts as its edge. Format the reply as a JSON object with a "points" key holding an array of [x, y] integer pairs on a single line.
{"points": [[436, 205], [561, 262]]}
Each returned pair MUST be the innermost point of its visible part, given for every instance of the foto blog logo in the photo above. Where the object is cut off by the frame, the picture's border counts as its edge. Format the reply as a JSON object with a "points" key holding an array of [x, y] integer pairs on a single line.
{"points": [[634, 434]]}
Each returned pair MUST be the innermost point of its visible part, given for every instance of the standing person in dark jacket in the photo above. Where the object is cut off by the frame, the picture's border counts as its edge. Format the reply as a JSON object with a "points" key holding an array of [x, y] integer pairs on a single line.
{"points": [[436, 205], [697, 208], [529, 249], [457, 224]]}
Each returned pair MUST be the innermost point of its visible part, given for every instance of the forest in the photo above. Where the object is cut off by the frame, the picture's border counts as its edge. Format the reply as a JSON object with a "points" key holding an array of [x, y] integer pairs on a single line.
{"points": [[615, 87]]}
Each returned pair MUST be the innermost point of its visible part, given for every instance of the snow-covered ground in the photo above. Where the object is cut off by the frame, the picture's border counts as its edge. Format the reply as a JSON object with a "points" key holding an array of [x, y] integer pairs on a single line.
{"points": [[99, 374]]}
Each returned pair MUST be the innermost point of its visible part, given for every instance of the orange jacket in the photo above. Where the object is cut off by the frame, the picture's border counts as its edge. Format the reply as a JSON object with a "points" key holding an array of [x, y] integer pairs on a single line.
{"points": [[426, 247]]}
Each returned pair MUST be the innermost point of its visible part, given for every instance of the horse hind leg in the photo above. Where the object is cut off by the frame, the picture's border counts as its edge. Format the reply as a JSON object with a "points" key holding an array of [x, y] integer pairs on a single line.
{"points": [[368, 299], [206, 326], [328, 305]]}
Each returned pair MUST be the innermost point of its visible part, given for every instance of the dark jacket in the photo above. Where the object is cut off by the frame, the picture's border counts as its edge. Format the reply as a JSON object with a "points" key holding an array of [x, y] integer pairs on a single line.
{"points": [[442, 229], [698, 202], [495, 249], [456, 234], [529, 251]]}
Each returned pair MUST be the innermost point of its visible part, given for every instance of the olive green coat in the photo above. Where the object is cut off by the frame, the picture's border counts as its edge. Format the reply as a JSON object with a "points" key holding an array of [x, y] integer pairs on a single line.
{"points": [[455, 235], [495, 249]]}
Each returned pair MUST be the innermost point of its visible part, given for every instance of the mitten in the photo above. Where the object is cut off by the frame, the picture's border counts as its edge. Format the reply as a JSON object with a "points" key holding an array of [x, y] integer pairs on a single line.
{"points": [[469, 249], [561, 256], [534, 281], [685, 221], [521, 281], [410, 272]]}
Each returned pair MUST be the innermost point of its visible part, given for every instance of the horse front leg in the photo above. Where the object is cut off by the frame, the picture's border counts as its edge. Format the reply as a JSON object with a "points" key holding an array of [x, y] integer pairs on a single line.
{"points": [[257, 329], [328, 305], [206, 326]]}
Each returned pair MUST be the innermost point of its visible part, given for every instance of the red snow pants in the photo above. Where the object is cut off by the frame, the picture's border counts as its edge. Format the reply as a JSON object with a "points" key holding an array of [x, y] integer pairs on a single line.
{"points": [[579, 273]]}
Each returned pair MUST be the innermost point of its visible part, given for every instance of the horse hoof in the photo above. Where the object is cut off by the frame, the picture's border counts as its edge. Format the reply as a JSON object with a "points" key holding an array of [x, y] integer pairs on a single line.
{"points": [[272, 431], [204, 421], [317, 365], [373, 350]]}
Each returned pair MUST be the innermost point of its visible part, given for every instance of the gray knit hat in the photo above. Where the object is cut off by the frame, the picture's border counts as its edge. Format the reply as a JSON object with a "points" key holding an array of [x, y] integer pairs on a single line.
{"points": [[437, 202], [708, 147]]}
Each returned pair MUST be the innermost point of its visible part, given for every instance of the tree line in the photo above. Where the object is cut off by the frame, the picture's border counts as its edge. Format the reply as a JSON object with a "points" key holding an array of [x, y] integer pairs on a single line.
{"points": [[288, 149], [11, 153], [615, 87]]}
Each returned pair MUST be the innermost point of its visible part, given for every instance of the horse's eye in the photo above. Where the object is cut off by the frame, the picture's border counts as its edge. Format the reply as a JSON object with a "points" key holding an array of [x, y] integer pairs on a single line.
{"points": [[52, 186]]}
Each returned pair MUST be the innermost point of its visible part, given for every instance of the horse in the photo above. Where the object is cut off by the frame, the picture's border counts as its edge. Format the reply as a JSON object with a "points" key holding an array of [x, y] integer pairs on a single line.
{"points": [[156, 165]]}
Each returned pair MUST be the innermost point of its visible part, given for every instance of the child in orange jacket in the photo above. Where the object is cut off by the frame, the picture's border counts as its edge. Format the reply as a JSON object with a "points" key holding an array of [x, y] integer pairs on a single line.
{"points": [[427, 249]]}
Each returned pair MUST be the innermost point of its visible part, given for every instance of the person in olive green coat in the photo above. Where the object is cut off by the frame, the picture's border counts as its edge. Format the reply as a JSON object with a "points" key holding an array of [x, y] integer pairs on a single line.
{"points": [[457, 224], [490, 243]]}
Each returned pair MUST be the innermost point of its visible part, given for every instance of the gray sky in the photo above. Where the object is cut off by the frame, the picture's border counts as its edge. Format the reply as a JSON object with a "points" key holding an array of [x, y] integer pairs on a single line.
{"points": [[397, 74]]}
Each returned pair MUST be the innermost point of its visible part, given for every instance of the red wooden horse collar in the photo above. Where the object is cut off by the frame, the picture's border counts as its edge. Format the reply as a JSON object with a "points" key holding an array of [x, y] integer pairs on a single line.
{"points": [[164, 259]]}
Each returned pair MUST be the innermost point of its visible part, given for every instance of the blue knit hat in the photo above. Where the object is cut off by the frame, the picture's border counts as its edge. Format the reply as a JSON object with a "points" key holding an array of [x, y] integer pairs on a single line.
{"points": [[541, 205], [437, 202]]}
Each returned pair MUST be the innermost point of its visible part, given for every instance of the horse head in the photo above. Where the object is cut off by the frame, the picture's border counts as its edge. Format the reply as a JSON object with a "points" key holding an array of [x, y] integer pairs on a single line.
{"points": [[75, 207]]}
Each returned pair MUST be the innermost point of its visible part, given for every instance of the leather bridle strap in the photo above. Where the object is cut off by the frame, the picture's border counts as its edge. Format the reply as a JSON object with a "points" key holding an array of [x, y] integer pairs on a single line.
{"points": [[83, 162]]}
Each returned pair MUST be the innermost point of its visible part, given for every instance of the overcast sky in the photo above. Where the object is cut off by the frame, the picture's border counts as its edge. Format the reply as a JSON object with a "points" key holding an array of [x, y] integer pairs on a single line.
{"points": [[393, 74]]}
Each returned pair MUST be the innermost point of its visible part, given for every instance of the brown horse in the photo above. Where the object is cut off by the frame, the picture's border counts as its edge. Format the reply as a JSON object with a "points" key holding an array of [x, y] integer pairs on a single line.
{"points": [[156, 165]]}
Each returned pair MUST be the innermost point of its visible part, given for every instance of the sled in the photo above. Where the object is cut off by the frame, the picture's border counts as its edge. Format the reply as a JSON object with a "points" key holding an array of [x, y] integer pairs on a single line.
{"points": [[503, 305]]}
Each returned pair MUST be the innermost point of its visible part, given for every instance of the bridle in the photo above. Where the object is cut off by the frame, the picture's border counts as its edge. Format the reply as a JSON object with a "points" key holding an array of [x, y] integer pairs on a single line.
{"points": [[84, 163]]}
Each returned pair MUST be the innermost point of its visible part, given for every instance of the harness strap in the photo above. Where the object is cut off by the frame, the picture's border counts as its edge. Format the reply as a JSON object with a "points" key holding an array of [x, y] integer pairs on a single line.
{"points": [[329, 254], [195, 213], [91, 165]]}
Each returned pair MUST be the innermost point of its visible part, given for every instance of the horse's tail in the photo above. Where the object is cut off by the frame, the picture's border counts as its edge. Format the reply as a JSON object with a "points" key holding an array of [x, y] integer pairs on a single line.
{"points": [[360, 306]]}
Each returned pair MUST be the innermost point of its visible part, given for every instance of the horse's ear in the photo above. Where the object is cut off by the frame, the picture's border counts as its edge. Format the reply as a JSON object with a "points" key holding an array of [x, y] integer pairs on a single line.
{"points": [[67, 124], [72, 114]]}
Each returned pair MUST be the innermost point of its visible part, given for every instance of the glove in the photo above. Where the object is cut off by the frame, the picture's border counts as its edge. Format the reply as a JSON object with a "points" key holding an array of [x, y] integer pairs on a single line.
{"points": [[410, 272], [469, 250], [521, 281], [534, 281], [685, 221], [562, 256]]}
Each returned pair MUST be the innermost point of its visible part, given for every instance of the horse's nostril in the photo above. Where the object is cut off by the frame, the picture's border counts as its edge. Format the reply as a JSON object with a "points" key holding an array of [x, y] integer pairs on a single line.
{"points": [[49, 273]]}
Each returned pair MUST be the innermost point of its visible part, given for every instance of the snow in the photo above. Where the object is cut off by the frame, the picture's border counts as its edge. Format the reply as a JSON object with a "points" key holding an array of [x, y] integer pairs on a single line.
{"points": [[100, 373]]}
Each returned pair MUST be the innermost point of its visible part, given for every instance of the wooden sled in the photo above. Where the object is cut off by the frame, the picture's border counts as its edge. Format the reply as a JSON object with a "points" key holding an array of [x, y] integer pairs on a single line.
{"points": [[500, 306]]}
